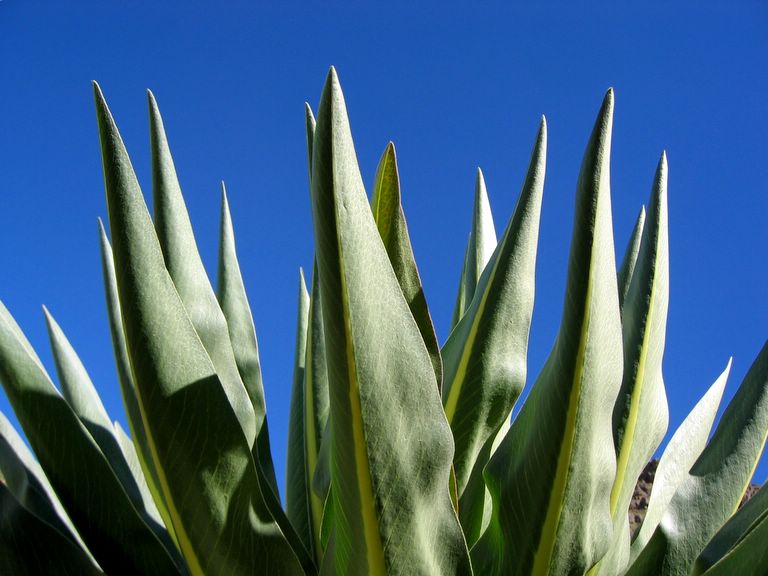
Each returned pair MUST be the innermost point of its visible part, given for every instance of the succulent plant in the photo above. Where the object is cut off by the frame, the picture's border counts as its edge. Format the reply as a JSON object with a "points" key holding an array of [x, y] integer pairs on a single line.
{"points": [[402, 457]]}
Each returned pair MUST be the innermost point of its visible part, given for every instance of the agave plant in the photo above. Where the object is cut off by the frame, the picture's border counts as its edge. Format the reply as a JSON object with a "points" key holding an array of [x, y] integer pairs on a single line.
{"points": [[402, 455]]}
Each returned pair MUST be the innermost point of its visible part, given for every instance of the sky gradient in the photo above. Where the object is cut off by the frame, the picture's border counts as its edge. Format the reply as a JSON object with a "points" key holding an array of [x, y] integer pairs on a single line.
{"points": [[454, 89]]}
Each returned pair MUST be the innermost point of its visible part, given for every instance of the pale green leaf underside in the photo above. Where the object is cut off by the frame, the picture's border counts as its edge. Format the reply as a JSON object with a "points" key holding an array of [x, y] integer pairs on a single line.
{"points": [[551, 476], [391, 445], [711, 492], [212, 488], [480, 247], [486, 354], [682, 450]]}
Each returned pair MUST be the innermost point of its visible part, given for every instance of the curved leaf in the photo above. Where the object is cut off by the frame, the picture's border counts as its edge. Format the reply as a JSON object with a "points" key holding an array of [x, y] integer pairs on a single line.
{"points": [[391, 446], [480, 247], [550, 478], [103, 514], [388, 213], [486, 353], [28, 545], [711, 492], [212, 488], [682, 450], [641, 415]]}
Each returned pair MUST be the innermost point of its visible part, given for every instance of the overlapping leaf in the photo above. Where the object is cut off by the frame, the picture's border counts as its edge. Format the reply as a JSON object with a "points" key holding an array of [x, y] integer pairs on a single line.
{"points": [[391, 446], [711, 492], [480, 247], [387, 207], [550, 478], [641, 415], [100, 509], [485, 355], [211, 485]]}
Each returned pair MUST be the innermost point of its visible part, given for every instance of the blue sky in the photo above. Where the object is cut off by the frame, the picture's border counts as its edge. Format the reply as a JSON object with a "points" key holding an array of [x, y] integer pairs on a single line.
{"points": [[455, 88]]}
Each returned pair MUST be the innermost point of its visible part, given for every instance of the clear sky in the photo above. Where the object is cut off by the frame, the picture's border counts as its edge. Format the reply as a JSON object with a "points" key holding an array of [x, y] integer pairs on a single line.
{"points": [[455, 87]]}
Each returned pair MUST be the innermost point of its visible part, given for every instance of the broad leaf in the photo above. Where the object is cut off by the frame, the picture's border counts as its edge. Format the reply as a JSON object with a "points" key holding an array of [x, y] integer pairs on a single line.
{"points": [[212, 489], [641, 415], [551, 477], [391, 446], [711, 492], [127, 386], [486, 354], [739, 546], [102, 512], [29, 545], [682, 450], [387, 207], [481, 244]]}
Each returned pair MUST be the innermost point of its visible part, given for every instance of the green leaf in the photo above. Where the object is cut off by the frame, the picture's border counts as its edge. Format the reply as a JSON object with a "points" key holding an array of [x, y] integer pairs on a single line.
{"points": [[29, 545], [242, 334], [711, 492], [310, 124], [183, 263], [297, 485], [480, 247], [486, 353], [27, 482], [316, 408], [682, 450], [390, 220], [641, 415], [105, 518], [739, 546], [627, 269], [550, 478], [81, 395], [212, 488], [127, 386], [391, 446]]}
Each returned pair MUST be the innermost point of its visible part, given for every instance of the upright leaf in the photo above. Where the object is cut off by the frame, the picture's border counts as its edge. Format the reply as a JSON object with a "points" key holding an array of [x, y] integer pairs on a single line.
{"points": [[127, 386], [316, 407], [391, 445], [630, 258], [80, 393], [550, 479], [711, 492], [641, 415], [481, 244], [388, 213], [103, 514], [682, 450], [297, 485], [242, 333], [212, 488], [486, 354]]}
